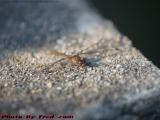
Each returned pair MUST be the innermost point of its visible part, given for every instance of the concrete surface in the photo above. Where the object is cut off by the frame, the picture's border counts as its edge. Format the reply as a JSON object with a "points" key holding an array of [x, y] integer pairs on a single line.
{"points": [[117, 82]]}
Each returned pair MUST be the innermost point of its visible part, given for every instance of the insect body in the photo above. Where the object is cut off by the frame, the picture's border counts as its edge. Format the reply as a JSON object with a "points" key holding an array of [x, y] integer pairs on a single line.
{"points": [[75, 59]]}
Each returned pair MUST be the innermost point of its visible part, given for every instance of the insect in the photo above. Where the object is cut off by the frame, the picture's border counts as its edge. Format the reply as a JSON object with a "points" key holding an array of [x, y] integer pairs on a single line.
{"points": [[74, 59]]}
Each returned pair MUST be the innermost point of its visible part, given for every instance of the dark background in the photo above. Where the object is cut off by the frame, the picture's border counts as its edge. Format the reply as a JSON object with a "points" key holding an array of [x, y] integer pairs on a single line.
{"points": [[139, 20]]}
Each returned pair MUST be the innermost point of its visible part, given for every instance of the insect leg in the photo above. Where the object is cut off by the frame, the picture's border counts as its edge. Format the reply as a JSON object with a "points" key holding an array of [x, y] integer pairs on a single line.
{"points": [[52, 64]]}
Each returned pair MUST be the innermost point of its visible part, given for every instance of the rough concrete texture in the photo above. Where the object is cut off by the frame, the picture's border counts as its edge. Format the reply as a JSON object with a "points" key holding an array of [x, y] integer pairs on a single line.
{"points": [[117, 82]]}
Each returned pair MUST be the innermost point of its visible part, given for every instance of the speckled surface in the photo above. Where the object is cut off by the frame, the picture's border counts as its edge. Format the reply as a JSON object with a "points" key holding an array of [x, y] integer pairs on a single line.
{"points": [[118, 82]]}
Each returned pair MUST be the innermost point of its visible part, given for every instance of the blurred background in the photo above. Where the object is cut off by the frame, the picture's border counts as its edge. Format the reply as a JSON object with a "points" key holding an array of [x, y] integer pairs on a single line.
{"points": [[139, 20]]}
